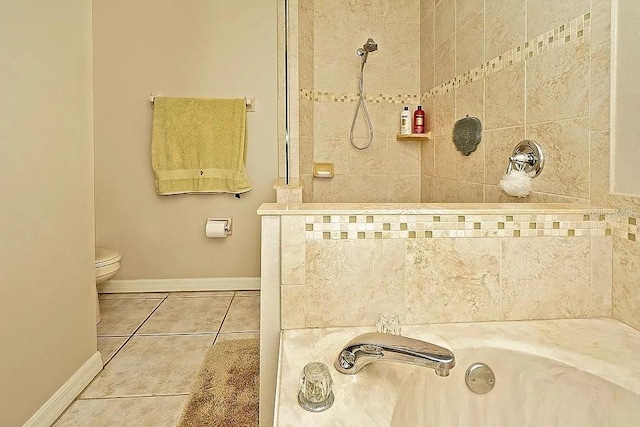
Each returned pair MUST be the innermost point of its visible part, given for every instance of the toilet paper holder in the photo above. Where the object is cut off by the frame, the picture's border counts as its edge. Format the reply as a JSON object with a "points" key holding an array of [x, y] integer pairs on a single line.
{"points": [[228, 223]]}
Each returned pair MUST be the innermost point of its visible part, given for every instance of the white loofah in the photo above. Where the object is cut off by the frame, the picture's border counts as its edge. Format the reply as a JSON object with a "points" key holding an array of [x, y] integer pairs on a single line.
{"points": [[516, 183]]}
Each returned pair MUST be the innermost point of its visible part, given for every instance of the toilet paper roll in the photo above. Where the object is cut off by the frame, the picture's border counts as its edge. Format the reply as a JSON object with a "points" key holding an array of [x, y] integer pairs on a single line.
{"points": [[216, 229]]}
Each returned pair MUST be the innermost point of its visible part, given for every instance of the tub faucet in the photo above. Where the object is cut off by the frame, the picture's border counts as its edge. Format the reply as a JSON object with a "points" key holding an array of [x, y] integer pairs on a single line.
{"points": [[375, 346]]}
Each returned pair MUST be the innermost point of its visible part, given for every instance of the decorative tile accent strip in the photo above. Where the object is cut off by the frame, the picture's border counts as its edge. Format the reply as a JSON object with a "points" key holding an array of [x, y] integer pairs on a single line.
{"points": [[380, 98], [438, 226], [576, 29], [625, 227]]}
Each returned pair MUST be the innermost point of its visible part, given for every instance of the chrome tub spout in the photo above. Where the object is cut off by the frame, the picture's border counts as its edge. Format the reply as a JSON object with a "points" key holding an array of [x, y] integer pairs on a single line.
{"points": [[375, 346]]}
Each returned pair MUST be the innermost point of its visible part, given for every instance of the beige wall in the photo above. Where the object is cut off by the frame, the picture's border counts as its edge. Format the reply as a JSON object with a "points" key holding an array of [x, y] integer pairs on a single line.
{"points": [[47, 277], [199, 48]]}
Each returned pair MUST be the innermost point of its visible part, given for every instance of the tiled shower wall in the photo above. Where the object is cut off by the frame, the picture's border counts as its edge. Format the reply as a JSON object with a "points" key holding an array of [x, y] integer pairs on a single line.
{"points": [[541, 72], [528, 70], [388, 170]]}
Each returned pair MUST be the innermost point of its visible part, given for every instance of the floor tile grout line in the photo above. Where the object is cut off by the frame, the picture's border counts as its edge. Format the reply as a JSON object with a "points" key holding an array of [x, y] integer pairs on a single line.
{"points": [[223, 319], [133, 333]]}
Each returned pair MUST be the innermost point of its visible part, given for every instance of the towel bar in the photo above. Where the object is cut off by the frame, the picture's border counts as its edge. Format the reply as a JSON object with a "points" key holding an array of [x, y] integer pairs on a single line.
{"points": [[251, 102]]}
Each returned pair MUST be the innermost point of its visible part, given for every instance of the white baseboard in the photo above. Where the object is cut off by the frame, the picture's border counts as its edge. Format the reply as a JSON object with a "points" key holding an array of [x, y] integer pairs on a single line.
{"points": [[179, 285], [61, 399]]}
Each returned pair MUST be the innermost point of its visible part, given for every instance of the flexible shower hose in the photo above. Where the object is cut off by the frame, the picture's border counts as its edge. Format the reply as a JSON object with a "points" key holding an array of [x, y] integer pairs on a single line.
{"points": [[361, 103]]}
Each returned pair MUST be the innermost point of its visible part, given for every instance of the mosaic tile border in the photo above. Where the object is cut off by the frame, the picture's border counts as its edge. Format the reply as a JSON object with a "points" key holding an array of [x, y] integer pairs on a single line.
{"points": [[626, 227], [576, 29], [380, 98], [353, 227]]}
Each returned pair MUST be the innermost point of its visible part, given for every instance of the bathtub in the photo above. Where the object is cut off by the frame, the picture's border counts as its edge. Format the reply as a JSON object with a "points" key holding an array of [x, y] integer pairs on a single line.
{"points": [[573, 372]]}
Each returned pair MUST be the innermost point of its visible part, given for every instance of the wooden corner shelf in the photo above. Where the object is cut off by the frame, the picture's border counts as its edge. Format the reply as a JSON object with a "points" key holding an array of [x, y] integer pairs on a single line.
{"points": [[414, 137]]}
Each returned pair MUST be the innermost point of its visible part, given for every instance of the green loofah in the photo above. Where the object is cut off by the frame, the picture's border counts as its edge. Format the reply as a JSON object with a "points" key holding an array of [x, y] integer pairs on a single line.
{"points": [[467, 134]]}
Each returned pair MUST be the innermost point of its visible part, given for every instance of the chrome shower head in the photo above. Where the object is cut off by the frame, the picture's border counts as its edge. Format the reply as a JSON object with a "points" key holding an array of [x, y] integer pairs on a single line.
{"points": [[364, 51], [370, 46]]}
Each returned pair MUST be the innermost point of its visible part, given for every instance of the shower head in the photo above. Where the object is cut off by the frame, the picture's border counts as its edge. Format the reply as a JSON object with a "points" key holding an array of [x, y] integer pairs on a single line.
{"points": [[364, 51], [370, 46]]}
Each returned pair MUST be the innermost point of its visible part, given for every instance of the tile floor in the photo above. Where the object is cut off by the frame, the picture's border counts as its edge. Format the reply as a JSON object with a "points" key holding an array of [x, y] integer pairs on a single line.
{"points": [[153, 345]]}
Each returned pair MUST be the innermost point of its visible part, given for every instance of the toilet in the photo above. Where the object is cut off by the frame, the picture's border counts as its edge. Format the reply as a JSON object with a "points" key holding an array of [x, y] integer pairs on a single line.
{"points": [[107, 265]]}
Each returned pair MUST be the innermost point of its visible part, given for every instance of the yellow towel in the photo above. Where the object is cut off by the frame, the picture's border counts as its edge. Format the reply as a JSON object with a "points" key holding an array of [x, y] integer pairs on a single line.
{"points": [[198, 146]]}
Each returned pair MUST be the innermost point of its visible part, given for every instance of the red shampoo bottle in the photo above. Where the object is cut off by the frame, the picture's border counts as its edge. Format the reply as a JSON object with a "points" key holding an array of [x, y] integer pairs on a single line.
{"points": [[419, 120]]}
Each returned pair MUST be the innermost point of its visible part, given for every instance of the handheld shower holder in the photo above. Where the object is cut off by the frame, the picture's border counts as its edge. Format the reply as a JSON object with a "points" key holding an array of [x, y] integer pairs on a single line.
{"points": [[527, 156]]}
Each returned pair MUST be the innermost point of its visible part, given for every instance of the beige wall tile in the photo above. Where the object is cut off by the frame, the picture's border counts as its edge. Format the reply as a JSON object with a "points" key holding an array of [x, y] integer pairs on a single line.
{"points": [[378, 115], [626, 288], [565, 145], [306, 156], [600, 157], [427, 158], [499, 146], [445, 190], [444, 109], [305, 112], [307, 188], [470, 100], [403, 58], [556, 285], [445, 60], [427, 28], [504, 101], [505, 26], [404, 157], [467, 192], [558, 83], [334, 151], [427, 189], [373, 160], [466, 10], [600, 93], [427, 70], [403, 189], [445, 157], [471, 168], [470, 44], [330, 74], [602, 269], [293, 245], [600, 21], [327, 190], [330, 119], [545, 15], [367, 188], [350, 282], [404, 11], [494, 194], [445, 20], [332, 10], [452, 280]]}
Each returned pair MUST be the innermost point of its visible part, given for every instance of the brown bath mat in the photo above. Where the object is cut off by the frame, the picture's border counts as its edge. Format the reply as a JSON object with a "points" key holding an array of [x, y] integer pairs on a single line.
{"points": [[226, 391]]}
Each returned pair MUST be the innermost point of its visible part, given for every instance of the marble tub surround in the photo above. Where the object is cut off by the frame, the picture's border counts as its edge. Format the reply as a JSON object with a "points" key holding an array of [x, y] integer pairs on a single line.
{"points": [[341, 265], [522, 354]]}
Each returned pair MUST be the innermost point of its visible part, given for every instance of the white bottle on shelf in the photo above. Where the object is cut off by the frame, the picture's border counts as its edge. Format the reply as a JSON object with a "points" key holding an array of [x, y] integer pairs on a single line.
{"points": [[405, 122]]}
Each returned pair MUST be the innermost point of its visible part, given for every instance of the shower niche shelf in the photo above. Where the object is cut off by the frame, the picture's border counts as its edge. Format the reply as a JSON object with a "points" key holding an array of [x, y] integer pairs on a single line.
{"points": [[414, 136]]}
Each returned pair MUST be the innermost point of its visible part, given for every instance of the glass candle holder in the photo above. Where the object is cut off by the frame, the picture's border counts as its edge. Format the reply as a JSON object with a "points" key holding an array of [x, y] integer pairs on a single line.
{"points": [[315, 387], [388, 323]]}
